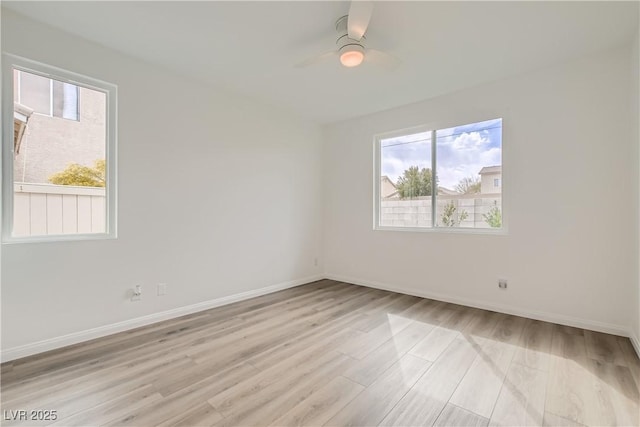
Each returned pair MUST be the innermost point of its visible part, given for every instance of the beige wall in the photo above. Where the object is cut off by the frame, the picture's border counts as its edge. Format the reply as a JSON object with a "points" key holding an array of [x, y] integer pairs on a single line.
{"points": [[51, 143]]}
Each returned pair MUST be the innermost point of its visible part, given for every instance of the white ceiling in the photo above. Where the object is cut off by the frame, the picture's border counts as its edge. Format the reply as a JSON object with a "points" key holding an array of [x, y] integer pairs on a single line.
{"points": [[251, 47]]}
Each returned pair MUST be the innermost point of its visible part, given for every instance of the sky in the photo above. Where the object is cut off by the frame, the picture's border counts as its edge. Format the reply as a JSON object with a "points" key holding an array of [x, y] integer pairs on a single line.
{"points": [[461, 152]]}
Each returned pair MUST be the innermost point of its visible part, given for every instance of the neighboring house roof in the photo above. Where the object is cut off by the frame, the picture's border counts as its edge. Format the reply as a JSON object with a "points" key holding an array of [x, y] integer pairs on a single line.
{"points": [[445, 191], [21, 116], [490, 169], [387, 188]]}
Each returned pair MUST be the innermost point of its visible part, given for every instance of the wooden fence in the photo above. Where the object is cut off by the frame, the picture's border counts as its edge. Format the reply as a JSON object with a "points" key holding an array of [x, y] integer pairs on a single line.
{"points": [[41, 209]]}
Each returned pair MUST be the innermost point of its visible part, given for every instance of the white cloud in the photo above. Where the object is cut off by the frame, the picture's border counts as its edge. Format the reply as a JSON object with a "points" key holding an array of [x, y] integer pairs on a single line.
{"points": [[464, 156]]}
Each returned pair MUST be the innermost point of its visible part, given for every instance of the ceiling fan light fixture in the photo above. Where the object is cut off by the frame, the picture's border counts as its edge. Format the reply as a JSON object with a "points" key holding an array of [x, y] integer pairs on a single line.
{"points": [[351, 56]]}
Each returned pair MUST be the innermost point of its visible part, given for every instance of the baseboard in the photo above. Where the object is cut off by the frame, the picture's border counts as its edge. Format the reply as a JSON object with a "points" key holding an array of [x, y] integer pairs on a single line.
{"points": [[101, 331], [532, 314]]}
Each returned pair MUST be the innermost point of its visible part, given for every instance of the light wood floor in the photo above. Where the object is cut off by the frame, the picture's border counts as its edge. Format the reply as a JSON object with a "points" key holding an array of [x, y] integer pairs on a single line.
{"points": [[330, 353]]}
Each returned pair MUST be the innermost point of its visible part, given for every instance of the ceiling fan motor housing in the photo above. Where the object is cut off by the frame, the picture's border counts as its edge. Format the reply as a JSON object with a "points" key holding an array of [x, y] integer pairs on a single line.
{"points": [[344, 42]]}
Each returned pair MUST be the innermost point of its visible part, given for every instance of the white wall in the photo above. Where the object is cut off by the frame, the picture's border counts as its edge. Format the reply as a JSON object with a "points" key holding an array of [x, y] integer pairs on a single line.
{"points": [[567, 141], [635, 114], [186, 155]]}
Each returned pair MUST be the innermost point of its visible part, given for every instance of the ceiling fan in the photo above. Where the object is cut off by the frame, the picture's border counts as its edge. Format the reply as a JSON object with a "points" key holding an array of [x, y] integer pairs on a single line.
{"points": [[351, 41]]}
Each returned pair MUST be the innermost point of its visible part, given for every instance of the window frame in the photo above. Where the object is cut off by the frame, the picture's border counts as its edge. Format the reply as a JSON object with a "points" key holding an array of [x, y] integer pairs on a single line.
{"points": [[434, 228], [11, 62]]}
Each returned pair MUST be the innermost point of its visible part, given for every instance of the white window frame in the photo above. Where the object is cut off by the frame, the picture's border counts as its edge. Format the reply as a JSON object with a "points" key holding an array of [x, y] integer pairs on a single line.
{"points": [[377, 159], [10, 62]]}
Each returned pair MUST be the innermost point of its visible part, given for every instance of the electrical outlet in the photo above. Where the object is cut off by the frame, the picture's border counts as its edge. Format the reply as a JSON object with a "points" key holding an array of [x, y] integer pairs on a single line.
{"points": [[137, 293], [162, 289], [502, 283]]}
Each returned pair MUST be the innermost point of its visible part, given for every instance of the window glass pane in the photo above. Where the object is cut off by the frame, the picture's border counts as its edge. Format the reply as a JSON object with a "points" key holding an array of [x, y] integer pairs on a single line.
{"points": [[65, 100], [58, 98], [405, 181], [469, 173], [59, 170], [35, 92], [70, 109]]}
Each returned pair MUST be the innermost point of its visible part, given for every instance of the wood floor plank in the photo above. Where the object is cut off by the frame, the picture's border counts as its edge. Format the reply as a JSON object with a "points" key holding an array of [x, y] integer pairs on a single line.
{"points": [[201, 415], [108, 410], [298, 366], [422, 405], [535, 345], [482, 325], [452, 416], [480, 387], [521, 399], [377, 362], [77, 397], [380, 316], [371, 406], [568, 387], [604, 347], [185, 399], [615, 400], [359, 348], [322, 405], [267, 405], [331, 337], [553, 420], [569, 330], [509, 329], [432, 345]]}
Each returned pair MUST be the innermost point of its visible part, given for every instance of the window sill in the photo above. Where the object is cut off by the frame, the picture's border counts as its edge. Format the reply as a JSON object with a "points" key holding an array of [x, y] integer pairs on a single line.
{"points": [[446, 230], [53, 238]]}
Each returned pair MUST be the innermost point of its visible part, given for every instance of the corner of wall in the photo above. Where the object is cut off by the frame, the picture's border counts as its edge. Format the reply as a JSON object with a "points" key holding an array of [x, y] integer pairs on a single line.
{"points": [[635, 114]]}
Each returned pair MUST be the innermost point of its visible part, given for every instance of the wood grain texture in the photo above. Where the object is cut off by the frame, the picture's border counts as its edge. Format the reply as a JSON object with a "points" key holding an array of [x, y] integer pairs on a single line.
{"points": [[318, 408], [479, 388], [370, 407], [454, 416], [521, 400], [330, 353], [553, 420], [424, 402], [534, 346], [604, 347]]}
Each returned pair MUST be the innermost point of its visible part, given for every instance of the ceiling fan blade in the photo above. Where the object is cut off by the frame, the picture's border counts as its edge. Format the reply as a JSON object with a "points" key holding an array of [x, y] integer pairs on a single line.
{"points": [[316, 59], [381, 58], [359, 17]]}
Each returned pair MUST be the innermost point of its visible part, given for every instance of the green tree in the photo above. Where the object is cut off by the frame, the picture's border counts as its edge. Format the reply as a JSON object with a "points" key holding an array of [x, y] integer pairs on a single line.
{"points": [[449, 216], [493, 217], [81, 175], [468, 185], [414, 182]]}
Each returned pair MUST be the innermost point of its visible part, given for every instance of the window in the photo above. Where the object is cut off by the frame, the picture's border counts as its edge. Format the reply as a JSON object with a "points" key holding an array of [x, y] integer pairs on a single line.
{"points": [[464, 192], [59, 179], [46, 96]]}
